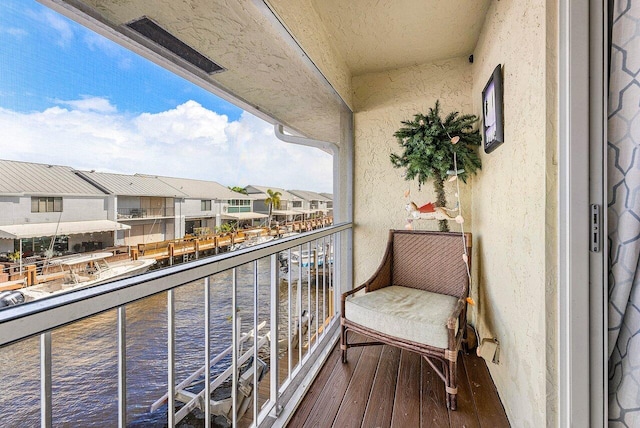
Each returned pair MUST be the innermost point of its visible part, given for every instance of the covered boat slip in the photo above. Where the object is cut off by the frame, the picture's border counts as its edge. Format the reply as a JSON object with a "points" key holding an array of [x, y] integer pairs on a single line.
{"points": [[37, 230], [34, 230]]}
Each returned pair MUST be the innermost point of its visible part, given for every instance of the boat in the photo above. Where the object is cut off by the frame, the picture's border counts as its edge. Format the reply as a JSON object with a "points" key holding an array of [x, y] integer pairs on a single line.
{"points": [[254, 238], [10, 298], [306, 258], [83, 270]]}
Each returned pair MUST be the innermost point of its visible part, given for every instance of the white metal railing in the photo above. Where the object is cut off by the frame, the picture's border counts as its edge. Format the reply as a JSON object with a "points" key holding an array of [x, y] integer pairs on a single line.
{"points": [[295, 339]]}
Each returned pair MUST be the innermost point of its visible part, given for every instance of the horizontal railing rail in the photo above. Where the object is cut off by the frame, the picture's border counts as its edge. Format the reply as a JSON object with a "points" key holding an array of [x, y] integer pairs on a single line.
{"points": [[124, 213], [23, 321], [293, 349]]}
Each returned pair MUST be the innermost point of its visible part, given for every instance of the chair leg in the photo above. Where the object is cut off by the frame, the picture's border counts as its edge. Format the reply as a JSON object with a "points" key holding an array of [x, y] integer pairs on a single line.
{"points": [[343, 343], [452, 385]]}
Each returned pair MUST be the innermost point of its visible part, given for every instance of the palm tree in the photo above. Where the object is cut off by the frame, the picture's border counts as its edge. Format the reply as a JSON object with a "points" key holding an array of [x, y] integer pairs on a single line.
{"points": [[429, 145], [273, 201], [238, 189]]}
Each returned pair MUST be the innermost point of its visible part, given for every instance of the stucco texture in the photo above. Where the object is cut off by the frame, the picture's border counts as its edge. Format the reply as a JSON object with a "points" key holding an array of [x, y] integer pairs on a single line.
{"points": [[382, 101], [514, 211]]}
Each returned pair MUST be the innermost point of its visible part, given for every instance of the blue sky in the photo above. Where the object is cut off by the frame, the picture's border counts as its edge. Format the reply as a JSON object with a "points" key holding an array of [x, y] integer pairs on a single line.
{"points": [[71, 97], [80, 62]]}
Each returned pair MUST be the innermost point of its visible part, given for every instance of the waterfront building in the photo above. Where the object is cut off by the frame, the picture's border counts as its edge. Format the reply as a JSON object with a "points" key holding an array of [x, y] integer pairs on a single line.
{"points": [[208, 205], [143, 203], [329, 203], [40, 203], [312, 204], [284, 212]]}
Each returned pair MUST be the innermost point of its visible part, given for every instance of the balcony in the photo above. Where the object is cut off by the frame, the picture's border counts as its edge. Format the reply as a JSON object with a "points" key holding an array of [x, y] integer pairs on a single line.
{"points": [[139, 213], [382, 386], [146, 338]]}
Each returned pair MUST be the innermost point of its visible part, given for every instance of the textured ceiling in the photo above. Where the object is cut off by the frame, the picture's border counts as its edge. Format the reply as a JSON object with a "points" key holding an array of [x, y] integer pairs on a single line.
{"points": [[382, 35], [264, 72], [258, 44]]}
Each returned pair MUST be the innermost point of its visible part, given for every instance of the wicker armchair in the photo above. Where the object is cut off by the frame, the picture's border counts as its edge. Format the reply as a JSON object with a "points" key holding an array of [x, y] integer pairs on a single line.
{"points": [[416, 300]]}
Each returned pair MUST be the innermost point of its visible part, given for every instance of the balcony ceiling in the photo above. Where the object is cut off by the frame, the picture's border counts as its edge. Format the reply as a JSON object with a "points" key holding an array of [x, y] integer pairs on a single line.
{"points": [[265, 71], [381, 35]]}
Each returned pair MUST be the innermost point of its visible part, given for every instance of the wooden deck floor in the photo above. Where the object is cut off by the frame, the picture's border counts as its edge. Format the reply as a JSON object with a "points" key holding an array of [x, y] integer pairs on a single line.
{"points": [[382, 386]]}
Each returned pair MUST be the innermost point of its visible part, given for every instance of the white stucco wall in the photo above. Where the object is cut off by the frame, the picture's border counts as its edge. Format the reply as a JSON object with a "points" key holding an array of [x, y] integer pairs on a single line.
{"points": [[17, 210], [382, 101], [514, 210]]}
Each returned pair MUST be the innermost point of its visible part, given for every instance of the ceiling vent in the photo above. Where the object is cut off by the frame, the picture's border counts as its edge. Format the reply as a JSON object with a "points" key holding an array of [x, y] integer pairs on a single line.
{"points": [[162, 37]]}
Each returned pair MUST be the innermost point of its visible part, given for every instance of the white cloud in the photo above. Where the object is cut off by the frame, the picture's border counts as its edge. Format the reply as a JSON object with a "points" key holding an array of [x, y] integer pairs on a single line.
{"points": [[87, 103], [56, 22], [13, 31], [96, 42], [187, 141]]}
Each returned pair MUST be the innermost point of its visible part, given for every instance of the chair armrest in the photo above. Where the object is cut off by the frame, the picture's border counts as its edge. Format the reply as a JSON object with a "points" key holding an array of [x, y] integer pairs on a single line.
{"points": [[382, 277], [350, 292], [346, 294], [455, 314]]}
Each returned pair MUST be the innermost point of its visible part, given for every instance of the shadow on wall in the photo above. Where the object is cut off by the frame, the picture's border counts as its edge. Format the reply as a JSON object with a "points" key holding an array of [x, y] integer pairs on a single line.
{"points": [[485, 316]]}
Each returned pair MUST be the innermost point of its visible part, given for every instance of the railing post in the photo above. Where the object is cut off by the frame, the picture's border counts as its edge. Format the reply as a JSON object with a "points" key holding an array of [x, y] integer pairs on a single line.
{"points": [[122, 367], [234, 352], [171, 349], [275, 316], [45, 381], [256, 283], [207, 352]]}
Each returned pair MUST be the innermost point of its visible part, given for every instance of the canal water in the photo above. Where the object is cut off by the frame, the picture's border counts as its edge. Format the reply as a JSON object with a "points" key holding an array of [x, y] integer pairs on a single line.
{"points": [[84, 354]]}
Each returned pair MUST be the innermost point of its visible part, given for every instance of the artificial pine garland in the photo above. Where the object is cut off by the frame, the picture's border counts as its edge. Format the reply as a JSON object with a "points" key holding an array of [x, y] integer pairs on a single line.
{"points": [[429, 145]]}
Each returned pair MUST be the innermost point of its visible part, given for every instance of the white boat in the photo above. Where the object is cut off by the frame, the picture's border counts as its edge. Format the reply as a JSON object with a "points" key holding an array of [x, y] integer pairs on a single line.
{"points": [[254, 237], [306, 258], [84, 270]]}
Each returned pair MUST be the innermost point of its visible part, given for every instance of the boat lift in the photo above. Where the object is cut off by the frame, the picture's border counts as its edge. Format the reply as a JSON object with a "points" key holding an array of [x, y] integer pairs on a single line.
{"points": [[246, 381]]}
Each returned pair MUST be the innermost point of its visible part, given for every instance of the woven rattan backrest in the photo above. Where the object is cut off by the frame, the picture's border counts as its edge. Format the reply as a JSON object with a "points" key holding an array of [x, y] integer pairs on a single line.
{"points": [[430, 261]]}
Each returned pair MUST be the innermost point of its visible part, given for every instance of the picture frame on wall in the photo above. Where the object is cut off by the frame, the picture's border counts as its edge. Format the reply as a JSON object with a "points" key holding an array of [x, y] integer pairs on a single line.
{"points": [[492, 113]]}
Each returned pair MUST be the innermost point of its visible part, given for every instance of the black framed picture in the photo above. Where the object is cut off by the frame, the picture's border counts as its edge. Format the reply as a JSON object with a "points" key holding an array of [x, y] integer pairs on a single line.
{"points": [[492, 114]]}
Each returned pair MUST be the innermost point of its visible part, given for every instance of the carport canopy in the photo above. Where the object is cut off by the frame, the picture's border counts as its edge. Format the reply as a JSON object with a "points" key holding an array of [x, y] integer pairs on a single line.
{"points": [[34, 230], [243, 216]]}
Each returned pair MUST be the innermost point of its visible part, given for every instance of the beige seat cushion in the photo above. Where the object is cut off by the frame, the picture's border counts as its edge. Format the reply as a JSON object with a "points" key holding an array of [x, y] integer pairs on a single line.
{"points": [[410, 314]]}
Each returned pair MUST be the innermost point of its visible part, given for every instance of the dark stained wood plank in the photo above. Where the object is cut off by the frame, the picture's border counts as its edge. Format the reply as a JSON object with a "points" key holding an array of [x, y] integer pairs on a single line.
{"points": [[330, 398], [490, 410], [380, 406], [356, 397], [406, 406], [311, 397], [478, 402], [433, 406], [466, 413]]}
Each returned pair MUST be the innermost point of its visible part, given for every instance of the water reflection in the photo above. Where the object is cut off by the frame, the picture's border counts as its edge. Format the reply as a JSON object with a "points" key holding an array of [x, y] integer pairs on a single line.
{"points": [[84, 354]]}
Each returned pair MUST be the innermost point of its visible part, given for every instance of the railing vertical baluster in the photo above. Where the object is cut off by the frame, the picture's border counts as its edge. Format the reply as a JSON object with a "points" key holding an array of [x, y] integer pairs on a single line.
{"points": [[317, 334], [335, 278], [325, 270], [256, 283], [275, 312], [234, 352], [46, 420], [289, 314], [299, 304], [171, 363], [122, 367], [207, 352], [315, 262]]}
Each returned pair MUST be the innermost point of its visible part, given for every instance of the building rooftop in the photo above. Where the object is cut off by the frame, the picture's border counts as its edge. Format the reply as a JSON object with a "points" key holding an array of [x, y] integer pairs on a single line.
{"points": [[309, 196], [42, 179], [200, 189], [131, 185], [261, 192]]}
